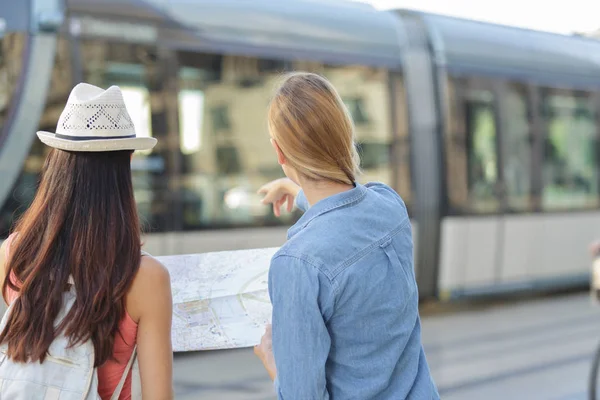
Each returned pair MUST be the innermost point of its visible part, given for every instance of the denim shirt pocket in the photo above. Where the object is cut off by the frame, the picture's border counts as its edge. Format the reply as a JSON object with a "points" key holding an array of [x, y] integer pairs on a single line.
{"points": [[398, 268]]}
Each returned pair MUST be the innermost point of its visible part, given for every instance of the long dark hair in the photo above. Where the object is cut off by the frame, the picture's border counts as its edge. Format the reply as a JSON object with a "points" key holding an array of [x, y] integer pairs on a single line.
{"points": [[83, 222]]}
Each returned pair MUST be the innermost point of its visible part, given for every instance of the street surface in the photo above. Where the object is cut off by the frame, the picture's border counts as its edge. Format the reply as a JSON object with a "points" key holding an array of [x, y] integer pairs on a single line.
{"points": [[531, 349]]}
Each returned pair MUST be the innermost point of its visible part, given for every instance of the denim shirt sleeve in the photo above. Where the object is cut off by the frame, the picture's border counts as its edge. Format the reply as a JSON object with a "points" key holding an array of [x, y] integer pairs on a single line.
{"points": [[301, 201], [302, 299]]}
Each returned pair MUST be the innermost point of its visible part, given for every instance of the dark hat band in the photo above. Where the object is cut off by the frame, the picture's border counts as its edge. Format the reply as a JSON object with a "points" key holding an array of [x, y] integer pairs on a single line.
{"points": [[81, 138]]}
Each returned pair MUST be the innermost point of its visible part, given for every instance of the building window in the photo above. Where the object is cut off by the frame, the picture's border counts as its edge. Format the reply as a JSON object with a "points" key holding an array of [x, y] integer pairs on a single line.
{"points": [[366, 93], [356, 107], [220, 119], [373, 155]]}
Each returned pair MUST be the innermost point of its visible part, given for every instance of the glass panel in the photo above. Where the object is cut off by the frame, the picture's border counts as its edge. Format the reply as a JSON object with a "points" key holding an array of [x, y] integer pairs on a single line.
{"points": [[471, 153], [456, 151], [206, 175], [134, 68], [570, 174], [481, 144], [517, 146], [12, 52], [191, 105], [366, 93], [25, 186], [224, 142], [402, 160]]}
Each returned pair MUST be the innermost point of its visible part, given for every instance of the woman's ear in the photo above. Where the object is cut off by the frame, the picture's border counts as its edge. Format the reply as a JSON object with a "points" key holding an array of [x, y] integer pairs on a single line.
{"points": [[280, 157]]}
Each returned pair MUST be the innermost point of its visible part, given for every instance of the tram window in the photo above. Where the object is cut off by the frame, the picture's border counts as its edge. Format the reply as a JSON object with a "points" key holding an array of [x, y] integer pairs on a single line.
{"points": [[58, 93], [366, 93], [12, 47], [223, 101], [481, 145], [222, 111], [471, 150], [570, 174], [400, 158], [455, 149], [136, 70], [373, 155], [356, 107], [517, 149]]}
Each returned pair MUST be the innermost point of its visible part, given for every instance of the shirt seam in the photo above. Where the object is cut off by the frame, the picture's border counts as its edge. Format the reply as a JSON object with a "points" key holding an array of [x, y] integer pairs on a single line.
{"points": [[368, 249], [314, 265]]}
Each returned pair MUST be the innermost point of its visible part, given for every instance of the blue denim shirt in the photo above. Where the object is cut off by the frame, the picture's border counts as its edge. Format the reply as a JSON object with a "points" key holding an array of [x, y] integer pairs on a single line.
{"points": [[345, 303]]}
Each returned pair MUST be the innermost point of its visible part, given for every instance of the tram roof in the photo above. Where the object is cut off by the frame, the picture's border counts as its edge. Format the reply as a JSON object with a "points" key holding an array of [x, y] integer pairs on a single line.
{"points": [[331, 30], [473, 47], [351, 32], [14, 16]]}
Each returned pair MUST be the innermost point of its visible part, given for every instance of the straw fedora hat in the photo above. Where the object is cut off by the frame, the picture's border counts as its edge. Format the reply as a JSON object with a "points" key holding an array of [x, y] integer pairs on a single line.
{"points": [[95, 119]]}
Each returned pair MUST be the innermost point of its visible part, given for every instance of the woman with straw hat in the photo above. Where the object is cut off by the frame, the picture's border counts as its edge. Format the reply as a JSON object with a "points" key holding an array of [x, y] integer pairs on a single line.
{"points": [[73, 269]]}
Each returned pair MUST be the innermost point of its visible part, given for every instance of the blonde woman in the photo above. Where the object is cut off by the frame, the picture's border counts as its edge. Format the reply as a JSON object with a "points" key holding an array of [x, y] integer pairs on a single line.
{"points": [[345, 303]]}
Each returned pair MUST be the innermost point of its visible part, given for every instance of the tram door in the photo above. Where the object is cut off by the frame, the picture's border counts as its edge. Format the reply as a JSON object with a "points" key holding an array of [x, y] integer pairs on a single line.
{"points": [[498, 141], [480, 231]]}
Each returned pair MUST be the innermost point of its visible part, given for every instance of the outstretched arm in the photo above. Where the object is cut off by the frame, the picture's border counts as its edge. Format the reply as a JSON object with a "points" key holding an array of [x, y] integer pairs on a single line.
{"points": [[280, 192]]}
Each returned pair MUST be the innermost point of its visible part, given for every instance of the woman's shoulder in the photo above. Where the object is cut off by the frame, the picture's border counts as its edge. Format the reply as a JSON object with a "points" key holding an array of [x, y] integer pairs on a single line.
{"points": [[11, 295], [152, 269], [151, 275], [384, 190], [152, 279], [3, 251], [3, 257], [5, 246], [388, 200]]}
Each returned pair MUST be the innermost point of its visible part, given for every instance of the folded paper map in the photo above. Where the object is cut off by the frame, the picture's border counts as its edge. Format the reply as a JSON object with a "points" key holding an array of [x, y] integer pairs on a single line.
{"points": [[220, 300]]}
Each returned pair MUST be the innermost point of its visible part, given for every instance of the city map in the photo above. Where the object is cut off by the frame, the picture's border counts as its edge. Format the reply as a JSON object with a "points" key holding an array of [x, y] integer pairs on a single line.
{"points": [[220, 300]]}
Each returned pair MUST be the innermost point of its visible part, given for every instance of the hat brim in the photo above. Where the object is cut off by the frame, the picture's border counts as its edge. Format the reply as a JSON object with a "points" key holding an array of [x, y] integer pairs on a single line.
{"points": [[138, 143]]}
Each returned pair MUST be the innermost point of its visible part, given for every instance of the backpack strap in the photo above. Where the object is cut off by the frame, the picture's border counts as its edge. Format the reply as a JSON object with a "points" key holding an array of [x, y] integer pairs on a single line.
{"points": [[119, 388]]}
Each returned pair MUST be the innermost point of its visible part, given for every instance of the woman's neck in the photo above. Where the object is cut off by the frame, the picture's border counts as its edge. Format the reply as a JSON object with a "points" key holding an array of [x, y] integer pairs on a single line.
{"points": [[316, 191]]}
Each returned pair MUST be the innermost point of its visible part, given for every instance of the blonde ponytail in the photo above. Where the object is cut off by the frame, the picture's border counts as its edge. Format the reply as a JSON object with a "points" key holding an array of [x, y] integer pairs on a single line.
{"points": [[313, 129]]}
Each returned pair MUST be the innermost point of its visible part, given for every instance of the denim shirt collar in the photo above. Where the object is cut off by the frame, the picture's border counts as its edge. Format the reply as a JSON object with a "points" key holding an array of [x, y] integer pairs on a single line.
{"points": [[326, 205]]}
